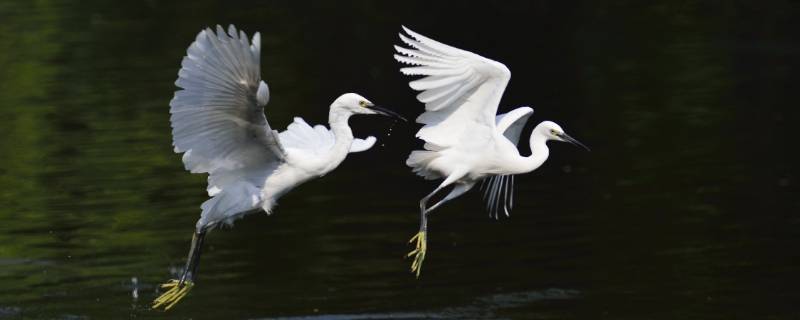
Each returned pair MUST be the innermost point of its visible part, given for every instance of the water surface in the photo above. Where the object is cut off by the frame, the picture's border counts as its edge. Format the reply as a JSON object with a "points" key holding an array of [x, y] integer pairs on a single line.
{"points": [[686, 208]]}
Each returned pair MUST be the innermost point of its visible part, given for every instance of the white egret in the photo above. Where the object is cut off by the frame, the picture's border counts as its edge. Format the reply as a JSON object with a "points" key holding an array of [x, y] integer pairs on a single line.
{"points": [[218, 123], [465, 140]]}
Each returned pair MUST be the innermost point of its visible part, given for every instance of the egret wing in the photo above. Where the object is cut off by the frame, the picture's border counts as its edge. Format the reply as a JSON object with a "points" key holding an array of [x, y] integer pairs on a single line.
{"points": [[459, 88], [317, 139], [498, 194], [359, 145], [300, 135], [511, 124], [218, 118]]}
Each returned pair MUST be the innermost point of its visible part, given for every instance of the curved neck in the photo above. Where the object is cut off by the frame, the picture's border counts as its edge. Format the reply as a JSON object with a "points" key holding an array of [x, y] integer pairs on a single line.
{"points": [[539, 151], [337, 118]]}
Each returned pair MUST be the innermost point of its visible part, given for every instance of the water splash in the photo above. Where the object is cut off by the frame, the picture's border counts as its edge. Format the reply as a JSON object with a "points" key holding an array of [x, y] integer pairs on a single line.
{"points": [[135, 288], [388, 133]]}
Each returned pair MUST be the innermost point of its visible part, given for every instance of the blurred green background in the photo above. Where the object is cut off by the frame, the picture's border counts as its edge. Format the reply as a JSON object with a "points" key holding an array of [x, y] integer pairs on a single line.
{"points": [[686, 208]]}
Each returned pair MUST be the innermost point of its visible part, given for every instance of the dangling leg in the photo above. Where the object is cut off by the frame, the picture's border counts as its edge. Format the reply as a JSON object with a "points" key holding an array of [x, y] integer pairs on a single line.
{"points": [[421, 236], [457, 191], [177, 289]]}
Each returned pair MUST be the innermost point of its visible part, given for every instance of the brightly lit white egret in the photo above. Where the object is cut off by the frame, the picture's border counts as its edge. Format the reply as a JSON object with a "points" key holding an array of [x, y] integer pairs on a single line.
{"points": [[218, 123], [465, 140]]}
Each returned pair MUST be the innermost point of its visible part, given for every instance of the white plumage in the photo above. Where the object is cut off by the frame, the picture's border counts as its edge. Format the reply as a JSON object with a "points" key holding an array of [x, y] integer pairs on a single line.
{"points": [[459, 88], [317, 139], [218, 122], [465, 140], [219, 125]]}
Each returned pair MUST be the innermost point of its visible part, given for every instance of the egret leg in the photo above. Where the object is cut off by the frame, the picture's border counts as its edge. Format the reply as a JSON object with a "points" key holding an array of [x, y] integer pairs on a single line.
{"points": [[421, 237], [178, 289], [457, 191]]}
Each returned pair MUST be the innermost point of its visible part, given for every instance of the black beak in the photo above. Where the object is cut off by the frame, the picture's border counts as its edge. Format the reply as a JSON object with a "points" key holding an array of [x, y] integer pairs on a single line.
{"points": [[572, 140], [386, 112]]}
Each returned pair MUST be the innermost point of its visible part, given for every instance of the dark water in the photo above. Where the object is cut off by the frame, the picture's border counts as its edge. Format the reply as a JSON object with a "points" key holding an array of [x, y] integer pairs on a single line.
{"points": [[687, 207]]}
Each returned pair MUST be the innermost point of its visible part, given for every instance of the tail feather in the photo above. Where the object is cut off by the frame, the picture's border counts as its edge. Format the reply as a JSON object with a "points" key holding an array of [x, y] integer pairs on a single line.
{"points": [[229, 204]]}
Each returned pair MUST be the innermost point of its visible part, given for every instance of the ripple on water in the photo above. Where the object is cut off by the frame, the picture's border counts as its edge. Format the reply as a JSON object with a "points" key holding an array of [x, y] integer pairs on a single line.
{"points": [[482, 307]]}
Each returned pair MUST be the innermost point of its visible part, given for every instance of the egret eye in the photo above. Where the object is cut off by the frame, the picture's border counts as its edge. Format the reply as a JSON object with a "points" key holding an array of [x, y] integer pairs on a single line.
{"points": [[362, 103], [553, 131]]}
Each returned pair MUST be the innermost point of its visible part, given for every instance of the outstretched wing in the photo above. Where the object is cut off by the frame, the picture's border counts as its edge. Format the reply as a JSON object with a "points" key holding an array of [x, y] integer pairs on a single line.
{"points": [[498, 194], [218, 117], [511, 124], [499, 189], [459, 88]]}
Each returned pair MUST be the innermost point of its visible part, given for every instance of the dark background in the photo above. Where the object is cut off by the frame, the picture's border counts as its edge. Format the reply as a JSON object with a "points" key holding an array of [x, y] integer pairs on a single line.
{"points": [[686, 208]]}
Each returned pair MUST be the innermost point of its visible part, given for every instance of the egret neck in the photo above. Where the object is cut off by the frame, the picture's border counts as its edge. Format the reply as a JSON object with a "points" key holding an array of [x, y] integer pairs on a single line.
{"points": [[338, 118], [539, 151]]}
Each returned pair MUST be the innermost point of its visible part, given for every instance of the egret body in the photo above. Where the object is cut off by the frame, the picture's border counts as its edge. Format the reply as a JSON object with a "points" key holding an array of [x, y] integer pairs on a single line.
{"points": [[465, 140], [218, 123]]}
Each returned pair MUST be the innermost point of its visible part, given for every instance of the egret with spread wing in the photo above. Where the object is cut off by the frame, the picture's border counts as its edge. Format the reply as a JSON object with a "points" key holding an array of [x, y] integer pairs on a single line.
{"points": [[465, 140], [218, 124]]}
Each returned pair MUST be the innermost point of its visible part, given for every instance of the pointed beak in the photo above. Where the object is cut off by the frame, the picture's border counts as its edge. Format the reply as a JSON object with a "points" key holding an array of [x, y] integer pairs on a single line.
{"points": [[386, 112], [572, 140]]}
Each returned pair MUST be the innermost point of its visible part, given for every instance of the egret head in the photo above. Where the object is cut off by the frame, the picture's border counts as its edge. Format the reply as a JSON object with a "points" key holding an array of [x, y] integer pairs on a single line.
{"points": [[356, 104], [552, 131]]}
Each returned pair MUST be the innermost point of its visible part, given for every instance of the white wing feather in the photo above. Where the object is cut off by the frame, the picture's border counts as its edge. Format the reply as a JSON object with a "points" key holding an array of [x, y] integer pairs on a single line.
{"points": [[511, 124], [317, 139], [218, 121], [459, 89], [359, 145], [300, 135]]}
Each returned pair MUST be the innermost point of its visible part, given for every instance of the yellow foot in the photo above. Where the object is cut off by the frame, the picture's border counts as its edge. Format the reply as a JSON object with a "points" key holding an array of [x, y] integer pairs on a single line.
{"points": [[173, 295], [418, 252]]}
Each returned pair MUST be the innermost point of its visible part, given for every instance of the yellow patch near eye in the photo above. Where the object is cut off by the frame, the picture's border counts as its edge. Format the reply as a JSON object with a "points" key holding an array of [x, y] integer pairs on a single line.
{"points": [[362, 103]]}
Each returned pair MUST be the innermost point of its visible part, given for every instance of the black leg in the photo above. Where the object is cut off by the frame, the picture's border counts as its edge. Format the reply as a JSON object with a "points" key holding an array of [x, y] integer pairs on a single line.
{"points": [[177, 289], [201, 238], [190, 270]]}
